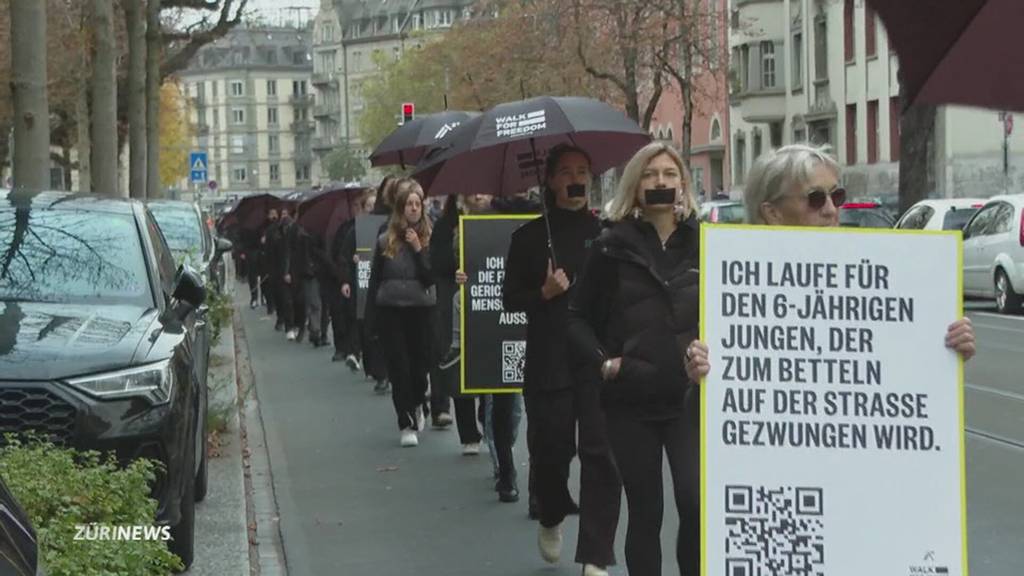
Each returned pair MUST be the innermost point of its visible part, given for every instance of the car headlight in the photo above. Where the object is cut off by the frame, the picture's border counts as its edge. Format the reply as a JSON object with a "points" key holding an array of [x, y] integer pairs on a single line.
{"points": [[152, 381]]}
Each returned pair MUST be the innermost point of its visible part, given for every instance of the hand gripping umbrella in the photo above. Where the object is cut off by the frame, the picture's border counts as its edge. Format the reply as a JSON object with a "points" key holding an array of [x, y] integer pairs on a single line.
{"points": [[957, 51], [407, 144], [502, 151]]}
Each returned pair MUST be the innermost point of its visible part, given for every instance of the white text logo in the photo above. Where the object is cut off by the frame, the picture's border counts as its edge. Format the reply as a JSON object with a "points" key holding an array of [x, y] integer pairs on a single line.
{"points": [[521, 124], [97, 532]]}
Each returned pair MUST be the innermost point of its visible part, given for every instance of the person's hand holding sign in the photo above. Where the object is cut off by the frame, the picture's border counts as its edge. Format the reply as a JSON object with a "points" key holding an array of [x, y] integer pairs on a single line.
{"points": [[556, 283], [346, 291], [413, 239], [610, 369], [696, 363], [460, 277], [960, 337]]}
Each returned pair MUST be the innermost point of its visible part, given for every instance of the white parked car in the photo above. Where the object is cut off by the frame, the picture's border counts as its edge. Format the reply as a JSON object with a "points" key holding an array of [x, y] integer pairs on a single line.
{"points": [[940, 214], [994, 253]]}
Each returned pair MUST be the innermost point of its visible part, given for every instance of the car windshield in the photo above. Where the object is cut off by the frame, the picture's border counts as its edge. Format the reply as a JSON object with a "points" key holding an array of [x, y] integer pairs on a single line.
{"points": [[181, 228], [957, 219], [71, 256]]}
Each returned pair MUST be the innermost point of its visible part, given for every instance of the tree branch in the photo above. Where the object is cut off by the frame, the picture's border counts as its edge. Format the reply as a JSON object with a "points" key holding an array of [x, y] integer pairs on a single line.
{"points": [[180, 59], [194, 4]]}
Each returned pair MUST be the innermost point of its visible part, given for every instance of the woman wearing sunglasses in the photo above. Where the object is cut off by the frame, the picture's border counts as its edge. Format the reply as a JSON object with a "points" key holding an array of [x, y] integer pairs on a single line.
{"points": [[798, 185]]}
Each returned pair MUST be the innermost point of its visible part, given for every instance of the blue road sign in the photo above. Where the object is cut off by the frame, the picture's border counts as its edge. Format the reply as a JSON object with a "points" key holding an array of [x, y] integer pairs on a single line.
{"points": [[197, 162]]}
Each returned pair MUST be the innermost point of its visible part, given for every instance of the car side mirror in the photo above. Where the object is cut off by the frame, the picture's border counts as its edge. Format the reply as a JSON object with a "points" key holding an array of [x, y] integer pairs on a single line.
{"points": [[223, 246], [188, 287]]}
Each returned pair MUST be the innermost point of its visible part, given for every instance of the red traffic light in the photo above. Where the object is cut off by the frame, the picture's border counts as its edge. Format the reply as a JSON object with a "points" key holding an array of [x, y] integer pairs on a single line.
{"points": [[408, 111]]}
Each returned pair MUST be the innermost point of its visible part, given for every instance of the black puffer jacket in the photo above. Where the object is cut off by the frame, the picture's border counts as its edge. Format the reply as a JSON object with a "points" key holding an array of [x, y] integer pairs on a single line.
{"points": [[642, 304]]}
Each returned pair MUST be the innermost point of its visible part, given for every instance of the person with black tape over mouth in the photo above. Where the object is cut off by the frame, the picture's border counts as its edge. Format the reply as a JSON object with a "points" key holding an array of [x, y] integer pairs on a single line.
{"points": [[544, 258], [634, 310]]}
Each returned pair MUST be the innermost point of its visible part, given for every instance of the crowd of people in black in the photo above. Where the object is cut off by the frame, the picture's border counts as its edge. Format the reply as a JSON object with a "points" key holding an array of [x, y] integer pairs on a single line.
{"points": [[613, 360]]}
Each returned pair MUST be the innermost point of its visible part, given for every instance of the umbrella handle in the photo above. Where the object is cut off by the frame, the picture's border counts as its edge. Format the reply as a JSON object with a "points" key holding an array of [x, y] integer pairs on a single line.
{"points": [[544, 206]]}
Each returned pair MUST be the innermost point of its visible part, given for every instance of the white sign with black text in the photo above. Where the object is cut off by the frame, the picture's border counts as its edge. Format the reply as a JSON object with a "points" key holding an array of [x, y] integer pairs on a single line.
{"points": [[833, 415]]}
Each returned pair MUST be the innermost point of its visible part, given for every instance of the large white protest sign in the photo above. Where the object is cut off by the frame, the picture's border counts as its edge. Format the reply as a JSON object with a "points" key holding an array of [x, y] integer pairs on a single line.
{"points": [[833, 415]]}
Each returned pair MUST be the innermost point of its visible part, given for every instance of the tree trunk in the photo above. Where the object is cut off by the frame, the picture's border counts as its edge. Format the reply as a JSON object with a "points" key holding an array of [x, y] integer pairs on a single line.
{"points": [[136, 27], [103, 91], [66, 159], [154, 45], [28, 90], [917, 154], [84, 142]]}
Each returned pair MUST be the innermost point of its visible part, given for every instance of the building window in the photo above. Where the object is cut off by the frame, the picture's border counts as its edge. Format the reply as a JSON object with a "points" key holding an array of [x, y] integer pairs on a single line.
{"points": [[444, 18], [740, 152], [698, 180], [274, 143], [821, 49], [851, 134], [417, 21], [237, 89], [848, 29], [302, 172], [214, 86], [744, 68], [758, 143], [272, 116], [798, 60], [357, 60], [870, 35], [894, 129], [238, 116], [238, 145], [275, 173], [873, 132], [271, 87], [799, 135], [240, 174], [216, 118], [775, 134], [767, 65], [716, 130], [299, 87]]}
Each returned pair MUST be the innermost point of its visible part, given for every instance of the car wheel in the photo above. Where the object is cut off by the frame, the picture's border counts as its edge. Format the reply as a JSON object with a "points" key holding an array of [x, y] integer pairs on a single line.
{"points": [[183, 533], [1007, 301]]}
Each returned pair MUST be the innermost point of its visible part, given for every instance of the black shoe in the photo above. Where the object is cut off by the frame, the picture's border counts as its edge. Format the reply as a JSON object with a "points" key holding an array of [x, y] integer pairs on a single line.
{"points": [[324, 341], [314, 339], [301, 335], [574, 508], [338, 357], [381, 387], [507, 492], [450, 358], [278, 326]]}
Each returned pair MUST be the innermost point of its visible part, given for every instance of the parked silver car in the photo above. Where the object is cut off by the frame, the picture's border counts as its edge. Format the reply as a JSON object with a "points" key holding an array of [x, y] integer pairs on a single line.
{"points": [[994, 253]]}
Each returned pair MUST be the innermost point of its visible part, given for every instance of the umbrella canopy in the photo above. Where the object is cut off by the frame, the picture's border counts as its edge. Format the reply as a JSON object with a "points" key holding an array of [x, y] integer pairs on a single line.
{"points": [[501, 151], [321, 214], [410, 141], [957, 51], [251, 211]]}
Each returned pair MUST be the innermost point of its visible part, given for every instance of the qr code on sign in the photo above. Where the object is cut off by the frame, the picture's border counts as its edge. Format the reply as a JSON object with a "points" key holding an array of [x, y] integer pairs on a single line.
{"points": [[774, 531], [513, 359]]}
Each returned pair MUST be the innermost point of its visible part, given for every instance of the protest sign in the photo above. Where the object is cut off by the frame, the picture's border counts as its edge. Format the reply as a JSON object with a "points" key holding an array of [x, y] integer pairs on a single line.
{"points": [[367, 231], [493, 341], [833, 415]]}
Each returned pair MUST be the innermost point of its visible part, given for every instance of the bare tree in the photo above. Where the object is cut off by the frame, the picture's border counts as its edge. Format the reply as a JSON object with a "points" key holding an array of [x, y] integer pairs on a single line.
{"points": [[183, 45], [84, 142], [917, 152], [154, 55], [28, 87], [135, 20], [103, 100]]}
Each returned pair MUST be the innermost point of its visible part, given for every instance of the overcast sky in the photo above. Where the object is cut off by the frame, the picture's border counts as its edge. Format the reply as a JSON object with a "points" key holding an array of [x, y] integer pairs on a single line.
{"points": [[273, 10]]}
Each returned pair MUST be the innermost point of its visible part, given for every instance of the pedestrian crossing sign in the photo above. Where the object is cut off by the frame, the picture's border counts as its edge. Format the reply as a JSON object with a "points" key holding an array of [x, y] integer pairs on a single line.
{"points": [[198, 165]]}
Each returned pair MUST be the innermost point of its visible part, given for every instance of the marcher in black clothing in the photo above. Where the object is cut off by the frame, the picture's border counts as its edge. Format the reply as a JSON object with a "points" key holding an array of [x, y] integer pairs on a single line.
{"points": [[633, 314], [374, 364], [251, 256], [293, 266], [541, 288], [273, 250], [268, 264], [399, 305], [343, 316]]}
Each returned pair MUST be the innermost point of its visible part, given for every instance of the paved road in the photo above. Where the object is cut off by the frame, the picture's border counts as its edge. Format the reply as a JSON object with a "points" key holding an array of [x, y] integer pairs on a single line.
{"points": [[352, 503]]}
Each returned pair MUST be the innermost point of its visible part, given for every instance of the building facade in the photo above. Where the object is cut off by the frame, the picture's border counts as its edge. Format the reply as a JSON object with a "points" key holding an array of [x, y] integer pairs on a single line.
{"points": [[823, 71], [349, 36], [251, 105]]}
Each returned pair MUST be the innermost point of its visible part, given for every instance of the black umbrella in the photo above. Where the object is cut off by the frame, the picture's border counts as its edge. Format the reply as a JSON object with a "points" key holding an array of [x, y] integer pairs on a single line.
{"points": [[501, 151], [322, 213], [409, 142], [251, 211]]}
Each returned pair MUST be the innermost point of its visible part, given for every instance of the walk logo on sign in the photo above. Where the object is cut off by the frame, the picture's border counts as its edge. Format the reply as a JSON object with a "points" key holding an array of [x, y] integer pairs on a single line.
{"points": [[928, 567], [515, 125], [446, 130]]}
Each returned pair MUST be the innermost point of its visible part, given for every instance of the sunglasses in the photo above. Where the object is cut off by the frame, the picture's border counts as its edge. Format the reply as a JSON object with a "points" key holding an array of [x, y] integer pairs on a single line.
{"points": [[816, 198]]}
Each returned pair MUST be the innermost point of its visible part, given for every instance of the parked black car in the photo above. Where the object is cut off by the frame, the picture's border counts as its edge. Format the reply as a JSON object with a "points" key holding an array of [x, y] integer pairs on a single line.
{"points": [[19, 549], [98, 332], [188, 236]]}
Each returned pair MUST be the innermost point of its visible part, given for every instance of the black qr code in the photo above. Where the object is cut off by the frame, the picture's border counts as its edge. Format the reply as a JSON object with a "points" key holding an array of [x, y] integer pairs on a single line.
{"points": [[513, 359], [774, 531]]}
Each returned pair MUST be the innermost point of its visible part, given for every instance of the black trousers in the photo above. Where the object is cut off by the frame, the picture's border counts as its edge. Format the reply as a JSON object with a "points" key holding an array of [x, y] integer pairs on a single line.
{"points": [[551, 439], [502, 406], [342, 313], [271, 292], [600, 486], [252, 273], [293, 303], [467, 409], [441, 395], [405, 334], [374, 365], [638, 446]]}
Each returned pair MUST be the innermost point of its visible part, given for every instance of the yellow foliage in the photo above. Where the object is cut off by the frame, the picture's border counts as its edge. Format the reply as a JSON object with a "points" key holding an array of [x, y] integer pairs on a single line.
{"points": [[175, 134]]}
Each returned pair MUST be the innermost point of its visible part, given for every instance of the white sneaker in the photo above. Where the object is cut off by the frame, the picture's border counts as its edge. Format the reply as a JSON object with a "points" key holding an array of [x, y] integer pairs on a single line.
{"points": [[471, 449], [409, 438], [549, 541], [292, 334], [353, 363], [591, 570], [421, 422]]}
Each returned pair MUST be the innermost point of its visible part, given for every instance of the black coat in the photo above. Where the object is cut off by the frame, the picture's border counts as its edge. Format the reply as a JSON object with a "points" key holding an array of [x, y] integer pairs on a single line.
{"points": [[273, 249], [642, 304], [444, 264], [525, 272]]}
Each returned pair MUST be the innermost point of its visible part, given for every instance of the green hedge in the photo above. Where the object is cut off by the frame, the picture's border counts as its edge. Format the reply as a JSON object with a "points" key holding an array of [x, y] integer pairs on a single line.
{"points": [[61, 489]]}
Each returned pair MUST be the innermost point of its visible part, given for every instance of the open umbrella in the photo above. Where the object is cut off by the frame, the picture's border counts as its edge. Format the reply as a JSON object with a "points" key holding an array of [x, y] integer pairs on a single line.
{"points": [[251, 211], [407, 144], [500, 152], [322, 213], [957, 51]]}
